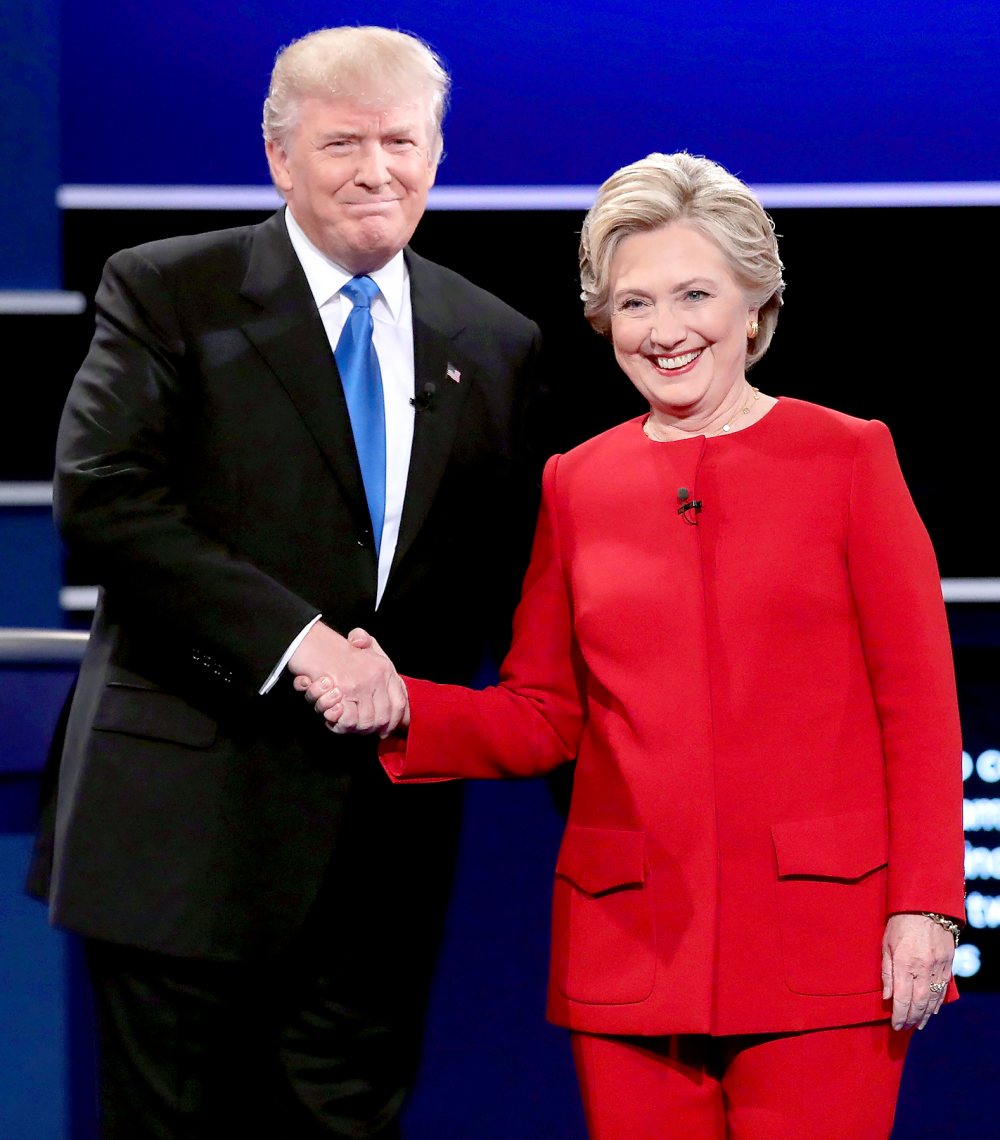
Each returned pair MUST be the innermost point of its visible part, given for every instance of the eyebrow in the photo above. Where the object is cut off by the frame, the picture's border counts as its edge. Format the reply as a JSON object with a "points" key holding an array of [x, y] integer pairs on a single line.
{"points": [[403, 128], [695, 283], [680, 287]]}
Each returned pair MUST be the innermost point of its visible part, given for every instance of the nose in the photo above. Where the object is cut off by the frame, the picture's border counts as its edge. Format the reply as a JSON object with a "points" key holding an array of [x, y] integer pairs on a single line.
{"points": [[372, 171], [666, 329]]}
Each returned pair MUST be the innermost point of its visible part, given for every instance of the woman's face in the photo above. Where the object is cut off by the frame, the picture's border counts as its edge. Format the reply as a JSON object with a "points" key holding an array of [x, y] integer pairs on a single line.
{"points": [[678, 319]]}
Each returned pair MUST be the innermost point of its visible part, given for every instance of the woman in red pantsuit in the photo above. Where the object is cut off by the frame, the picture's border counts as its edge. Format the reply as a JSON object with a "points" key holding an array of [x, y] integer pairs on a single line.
{"points": [[733, 623]]}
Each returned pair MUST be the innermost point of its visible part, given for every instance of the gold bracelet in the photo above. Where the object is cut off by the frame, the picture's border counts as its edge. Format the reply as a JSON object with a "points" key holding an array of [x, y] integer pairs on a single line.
{"points": [[943, 920]]}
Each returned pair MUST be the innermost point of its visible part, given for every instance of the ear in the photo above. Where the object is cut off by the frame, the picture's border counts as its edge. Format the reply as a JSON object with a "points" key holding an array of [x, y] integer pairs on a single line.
{"points": [[277, 161], [432, 167]]}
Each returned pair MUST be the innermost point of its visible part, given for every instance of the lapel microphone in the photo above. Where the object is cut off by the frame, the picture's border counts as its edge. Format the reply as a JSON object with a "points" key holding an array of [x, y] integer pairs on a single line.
{"points": [[424, 398], [688, 504]]}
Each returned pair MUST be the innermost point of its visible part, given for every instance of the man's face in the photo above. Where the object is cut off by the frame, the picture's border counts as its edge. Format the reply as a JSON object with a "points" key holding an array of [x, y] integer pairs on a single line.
{"points": [[356, 177]]}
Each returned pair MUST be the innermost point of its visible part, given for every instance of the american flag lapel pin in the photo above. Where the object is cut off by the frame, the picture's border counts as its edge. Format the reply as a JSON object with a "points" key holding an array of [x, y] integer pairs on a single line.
{"points": [[453, 373]]}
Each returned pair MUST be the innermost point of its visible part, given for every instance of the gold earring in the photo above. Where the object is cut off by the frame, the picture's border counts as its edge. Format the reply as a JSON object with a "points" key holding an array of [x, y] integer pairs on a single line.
{"points": [[752, 328]]}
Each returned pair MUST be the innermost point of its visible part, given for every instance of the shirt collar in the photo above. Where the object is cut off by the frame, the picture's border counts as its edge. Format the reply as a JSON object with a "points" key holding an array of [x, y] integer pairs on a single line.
{"points": [[326, 278]]}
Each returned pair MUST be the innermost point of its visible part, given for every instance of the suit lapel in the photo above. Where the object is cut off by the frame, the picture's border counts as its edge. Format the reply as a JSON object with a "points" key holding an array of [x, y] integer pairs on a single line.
{"points": [[288, 333], [435, 328]]}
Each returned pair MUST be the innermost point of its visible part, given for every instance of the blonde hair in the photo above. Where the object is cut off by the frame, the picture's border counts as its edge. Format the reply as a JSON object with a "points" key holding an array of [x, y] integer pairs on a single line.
{"points": [[664, 188], [369, 64]]}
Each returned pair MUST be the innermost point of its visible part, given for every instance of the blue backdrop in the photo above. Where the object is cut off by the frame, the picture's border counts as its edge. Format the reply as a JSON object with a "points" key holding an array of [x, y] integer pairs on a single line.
{"points": [[562, 92]]}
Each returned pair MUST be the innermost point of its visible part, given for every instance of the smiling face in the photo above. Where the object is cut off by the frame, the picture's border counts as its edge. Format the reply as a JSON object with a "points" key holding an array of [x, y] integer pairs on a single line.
{"points": [[679, 322], [355, 177]]}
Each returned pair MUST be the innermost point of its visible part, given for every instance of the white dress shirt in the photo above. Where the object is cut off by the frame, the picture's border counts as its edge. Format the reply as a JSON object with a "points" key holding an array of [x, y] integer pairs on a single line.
{"points": [[392, 334]]}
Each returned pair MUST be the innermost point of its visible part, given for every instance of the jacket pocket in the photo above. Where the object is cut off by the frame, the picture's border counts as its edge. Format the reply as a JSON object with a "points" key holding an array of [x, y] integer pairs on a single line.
{"points": [[831, 901], [153, 714], [603, 950]]}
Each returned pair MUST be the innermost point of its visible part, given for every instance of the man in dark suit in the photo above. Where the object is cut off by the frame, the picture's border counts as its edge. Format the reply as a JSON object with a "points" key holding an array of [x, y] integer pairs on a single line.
{"points": [[260, 907]]}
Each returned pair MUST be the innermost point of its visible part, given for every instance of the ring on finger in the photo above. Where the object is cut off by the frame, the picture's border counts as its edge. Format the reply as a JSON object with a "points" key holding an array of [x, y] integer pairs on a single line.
{"points": [[938, 987]]}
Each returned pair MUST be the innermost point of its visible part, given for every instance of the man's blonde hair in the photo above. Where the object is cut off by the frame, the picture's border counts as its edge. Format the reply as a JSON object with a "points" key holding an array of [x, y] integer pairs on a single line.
{"points": [[371, 65]]}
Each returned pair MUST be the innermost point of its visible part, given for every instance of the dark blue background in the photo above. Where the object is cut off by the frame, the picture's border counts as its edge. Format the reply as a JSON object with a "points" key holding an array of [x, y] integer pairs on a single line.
{"points": [[561, 93]]}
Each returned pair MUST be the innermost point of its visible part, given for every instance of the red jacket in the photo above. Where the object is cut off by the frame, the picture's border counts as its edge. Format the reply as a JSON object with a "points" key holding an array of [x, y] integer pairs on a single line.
{"points": [[763, 713]]}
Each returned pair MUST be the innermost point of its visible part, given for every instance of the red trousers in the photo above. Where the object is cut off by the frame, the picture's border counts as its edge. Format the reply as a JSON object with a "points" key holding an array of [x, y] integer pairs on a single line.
{"points": [[827, 1084]]}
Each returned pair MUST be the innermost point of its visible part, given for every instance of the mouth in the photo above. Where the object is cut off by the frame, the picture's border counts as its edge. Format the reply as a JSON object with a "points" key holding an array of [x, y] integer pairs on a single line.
{"points": [[376, 205], [677, 363]]}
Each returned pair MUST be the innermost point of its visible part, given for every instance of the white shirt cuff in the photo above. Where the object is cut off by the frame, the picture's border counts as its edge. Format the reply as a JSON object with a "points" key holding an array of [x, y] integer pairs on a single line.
{"points": [[286, 657]]}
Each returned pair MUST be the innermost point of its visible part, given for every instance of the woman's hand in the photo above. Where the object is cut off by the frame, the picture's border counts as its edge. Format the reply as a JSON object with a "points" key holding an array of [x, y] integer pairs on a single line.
{"points": [[916, 954], [326, 695]]}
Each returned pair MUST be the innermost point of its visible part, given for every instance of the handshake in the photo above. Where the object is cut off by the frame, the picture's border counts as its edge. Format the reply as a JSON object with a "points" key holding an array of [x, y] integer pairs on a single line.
{"points": [[350, 682]]}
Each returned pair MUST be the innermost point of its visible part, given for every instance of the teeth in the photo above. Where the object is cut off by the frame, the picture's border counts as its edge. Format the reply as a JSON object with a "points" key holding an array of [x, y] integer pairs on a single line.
{"points": [[670, 363]]}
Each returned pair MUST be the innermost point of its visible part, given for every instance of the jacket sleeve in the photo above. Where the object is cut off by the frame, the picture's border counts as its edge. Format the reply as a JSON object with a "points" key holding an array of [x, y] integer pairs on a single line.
{"points": [[121, 482], [531, 721], [907, 646]]}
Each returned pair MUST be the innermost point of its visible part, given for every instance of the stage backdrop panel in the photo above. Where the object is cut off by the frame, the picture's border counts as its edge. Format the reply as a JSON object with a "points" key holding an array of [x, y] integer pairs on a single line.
{"points": [[560, 93]]}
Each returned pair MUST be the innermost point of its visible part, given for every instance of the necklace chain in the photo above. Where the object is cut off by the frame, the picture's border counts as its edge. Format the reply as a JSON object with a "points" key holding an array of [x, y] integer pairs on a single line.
{"points": [[752, 398], [744, 411]]}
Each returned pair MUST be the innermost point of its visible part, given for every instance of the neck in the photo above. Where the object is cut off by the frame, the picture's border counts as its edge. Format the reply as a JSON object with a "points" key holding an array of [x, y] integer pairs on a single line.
{"points": [[738, 402]]}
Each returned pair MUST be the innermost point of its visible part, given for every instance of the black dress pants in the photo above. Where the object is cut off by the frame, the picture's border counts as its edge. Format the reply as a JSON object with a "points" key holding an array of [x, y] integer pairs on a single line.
{"points": [[319, 1041]]}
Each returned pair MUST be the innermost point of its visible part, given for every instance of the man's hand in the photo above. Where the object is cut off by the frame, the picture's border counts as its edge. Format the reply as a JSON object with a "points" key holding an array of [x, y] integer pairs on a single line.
{"points": [[350, 681], [916, 953]]}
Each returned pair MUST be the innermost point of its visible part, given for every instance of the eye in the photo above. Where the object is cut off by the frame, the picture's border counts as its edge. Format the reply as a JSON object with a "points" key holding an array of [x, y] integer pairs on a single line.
{"points": [[695, 294], [630, 304]]}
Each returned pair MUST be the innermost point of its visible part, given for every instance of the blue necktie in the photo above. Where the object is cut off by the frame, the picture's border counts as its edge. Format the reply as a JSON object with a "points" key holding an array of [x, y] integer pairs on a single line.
{"points": [[362, 380]]}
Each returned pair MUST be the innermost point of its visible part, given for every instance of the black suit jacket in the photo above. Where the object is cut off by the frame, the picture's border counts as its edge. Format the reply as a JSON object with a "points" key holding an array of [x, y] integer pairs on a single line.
{"points": [[206, 473]]}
